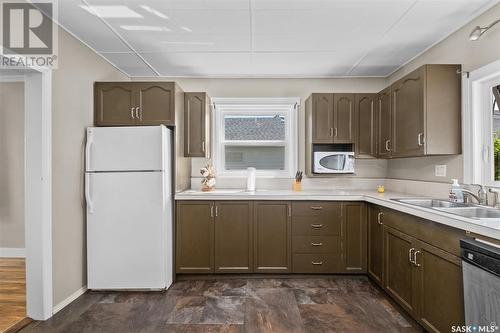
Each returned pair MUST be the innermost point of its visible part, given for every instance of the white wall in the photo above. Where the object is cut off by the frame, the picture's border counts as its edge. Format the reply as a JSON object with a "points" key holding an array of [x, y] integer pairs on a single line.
{"points": [[72, 109], [456, 49], [12, 165]]}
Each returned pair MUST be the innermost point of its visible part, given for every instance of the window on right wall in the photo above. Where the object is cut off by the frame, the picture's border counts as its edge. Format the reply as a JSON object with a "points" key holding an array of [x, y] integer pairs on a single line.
{"points": [[495, 133]]}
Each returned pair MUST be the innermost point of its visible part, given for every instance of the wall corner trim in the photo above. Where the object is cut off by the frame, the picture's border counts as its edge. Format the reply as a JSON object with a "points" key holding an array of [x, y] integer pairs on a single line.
{"points": [[12, 252], [58, 307]]}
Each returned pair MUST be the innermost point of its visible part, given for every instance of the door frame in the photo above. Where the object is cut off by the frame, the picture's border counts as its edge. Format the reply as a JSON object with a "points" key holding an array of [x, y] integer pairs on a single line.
{"points": [[37, 189]]}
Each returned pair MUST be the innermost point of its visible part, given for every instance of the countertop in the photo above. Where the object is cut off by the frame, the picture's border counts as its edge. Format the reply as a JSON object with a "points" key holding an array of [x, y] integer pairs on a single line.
{"points": [[489, 228]]}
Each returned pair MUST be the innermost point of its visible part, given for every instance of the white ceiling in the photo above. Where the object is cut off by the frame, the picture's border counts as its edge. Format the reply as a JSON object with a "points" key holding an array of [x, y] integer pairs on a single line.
{"points": [[264, 38]]}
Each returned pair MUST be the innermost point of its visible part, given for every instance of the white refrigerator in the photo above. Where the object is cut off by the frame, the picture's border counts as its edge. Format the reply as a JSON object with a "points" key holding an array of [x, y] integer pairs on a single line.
{"points": [[128, 177]]}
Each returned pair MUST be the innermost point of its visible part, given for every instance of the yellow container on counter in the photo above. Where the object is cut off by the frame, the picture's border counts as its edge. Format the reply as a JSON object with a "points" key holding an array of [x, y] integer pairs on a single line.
{"points": [[380, 189]]}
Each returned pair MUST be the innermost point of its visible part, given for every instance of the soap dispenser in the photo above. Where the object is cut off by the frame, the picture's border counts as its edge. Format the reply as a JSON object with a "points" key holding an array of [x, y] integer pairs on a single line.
{"points": [[456, 194]]}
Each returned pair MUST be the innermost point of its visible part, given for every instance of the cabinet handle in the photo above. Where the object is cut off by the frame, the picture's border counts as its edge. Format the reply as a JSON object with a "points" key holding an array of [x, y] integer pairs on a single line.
{"points": [[138, 113], [420, 139], [410, 255], [132, 113], [317, 263], [211, 211], [317, 244], [379, 218], [289, 210], [387, 142], [203, 146], [336, 132], [216, 211], [415, 259], [331, 131], [316, 207], [317, 225]]}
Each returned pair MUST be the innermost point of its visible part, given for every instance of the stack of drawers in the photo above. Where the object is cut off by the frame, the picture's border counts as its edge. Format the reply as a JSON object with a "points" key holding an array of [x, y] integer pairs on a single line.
{"points": [[316, 237]]}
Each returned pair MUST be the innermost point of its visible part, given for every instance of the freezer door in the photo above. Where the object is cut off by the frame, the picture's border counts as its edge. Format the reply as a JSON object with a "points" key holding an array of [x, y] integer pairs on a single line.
{"points": [[128, 224], [137, 148]]}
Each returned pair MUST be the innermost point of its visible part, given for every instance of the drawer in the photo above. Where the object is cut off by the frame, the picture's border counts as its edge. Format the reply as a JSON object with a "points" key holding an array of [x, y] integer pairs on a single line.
{"points": [[316, 263], [316, 226], [317, 208], [316, 244]]}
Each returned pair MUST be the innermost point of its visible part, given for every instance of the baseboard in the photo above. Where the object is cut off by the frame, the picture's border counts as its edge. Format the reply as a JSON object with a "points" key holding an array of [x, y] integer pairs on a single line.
{"points": [[68, 300], [12, 252]]}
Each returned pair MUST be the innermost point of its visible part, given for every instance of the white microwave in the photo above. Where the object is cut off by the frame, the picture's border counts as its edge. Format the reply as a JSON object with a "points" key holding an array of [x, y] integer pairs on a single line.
{"points": [[333, 162]]}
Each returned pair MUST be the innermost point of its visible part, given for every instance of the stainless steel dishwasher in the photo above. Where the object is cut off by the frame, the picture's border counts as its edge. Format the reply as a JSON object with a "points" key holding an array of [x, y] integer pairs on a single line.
{"points": [[481, 275]]}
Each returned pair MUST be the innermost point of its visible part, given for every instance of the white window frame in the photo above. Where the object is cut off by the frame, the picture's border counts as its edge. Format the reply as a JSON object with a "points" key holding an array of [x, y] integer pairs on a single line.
{"points": [[286, 107], [477, 125]]}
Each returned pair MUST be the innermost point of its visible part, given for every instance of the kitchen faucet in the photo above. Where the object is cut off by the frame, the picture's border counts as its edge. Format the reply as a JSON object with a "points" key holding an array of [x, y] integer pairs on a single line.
{"points": [[481, 197], [495, 191]]}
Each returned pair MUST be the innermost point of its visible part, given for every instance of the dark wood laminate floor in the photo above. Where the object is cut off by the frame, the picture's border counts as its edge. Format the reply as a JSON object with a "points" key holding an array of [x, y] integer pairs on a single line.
{"points": [[331, 304]]}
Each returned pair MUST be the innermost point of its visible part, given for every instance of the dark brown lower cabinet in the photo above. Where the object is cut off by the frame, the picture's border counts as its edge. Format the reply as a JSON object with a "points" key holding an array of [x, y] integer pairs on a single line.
{"points": [[440, 291], [272, 237], [400, 275], [354, 237], [194, 250], [376, 244], [233, 236]]}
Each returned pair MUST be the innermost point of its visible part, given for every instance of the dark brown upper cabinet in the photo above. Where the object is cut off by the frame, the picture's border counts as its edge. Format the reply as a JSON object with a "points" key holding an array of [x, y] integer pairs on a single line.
{"points": [[384, 123], [272, 237], [196, 125], [114, 104], [332, 118], [233, 236], [134, 103], [322, 118], [354, 237], [344, 123], [426, 112], [366, 143], [194, 250]]}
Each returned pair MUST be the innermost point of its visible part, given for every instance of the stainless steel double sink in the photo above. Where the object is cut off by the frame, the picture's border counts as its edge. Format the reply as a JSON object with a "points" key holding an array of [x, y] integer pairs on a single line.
{"points": [[465, 210]]}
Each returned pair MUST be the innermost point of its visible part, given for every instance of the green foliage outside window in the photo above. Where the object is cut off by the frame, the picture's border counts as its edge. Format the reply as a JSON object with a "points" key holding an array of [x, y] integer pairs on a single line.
{"points": [[496, 145]]}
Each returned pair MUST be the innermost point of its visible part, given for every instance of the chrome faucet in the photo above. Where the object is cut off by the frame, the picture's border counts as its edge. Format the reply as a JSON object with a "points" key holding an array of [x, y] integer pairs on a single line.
{"points": [[470, 194], [482, 195], [495, 191]]}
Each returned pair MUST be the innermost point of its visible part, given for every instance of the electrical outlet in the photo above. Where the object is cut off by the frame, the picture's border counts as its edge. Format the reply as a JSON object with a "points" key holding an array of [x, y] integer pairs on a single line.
{"points": [[440, 170]]}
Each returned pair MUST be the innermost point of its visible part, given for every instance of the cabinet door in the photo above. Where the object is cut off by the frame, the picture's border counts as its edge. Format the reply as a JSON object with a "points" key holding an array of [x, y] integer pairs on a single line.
{"points": [[399, 272], [344, 118], [440, 288], [272, 237], [196, 125], [384, 123], [408, 115], [366, 143], [354, 237], [322, 118], [156, 103], [375, 244], [194, 237], [114, 104], [233, 236]]}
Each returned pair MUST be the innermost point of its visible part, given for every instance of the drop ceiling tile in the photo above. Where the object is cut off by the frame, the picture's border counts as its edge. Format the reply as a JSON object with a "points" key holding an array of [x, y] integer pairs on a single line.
{"points": [[89, 28], [168, 42], [130, 63], [200, 64]]}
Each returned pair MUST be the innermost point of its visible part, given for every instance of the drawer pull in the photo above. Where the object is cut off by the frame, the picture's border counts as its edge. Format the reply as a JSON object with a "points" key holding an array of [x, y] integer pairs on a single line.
{"points": [[318, 263], [317, 225], [317, 244], [316, 207]]}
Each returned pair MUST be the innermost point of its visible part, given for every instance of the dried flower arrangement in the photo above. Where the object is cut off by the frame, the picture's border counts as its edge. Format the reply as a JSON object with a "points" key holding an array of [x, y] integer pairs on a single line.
{"points": [[208, 180]]}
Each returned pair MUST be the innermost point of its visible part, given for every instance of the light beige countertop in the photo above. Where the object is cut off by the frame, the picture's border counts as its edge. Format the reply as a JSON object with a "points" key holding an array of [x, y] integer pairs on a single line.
{"points": [[487, 227]]}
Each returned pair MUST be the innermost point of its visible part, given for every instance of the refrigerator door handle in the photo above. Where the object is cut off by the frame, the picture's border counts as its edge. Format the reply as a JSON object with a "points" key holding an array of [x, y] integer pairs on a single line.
{"points": [[90, 205], [88, 146]]}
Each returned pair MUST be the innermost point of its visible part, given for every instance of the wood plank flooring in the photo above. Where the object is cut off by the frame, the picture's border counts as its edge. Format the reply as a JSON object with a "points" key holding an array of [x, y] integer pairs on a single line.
{"points": [[12, 293], [325, 304]]}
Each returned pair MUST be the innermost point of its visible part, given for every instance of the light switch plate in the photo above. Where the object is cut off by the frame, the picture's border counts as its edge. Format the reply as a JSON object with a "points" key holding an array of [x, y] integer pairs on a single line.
{"points": [[440, 170]]}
